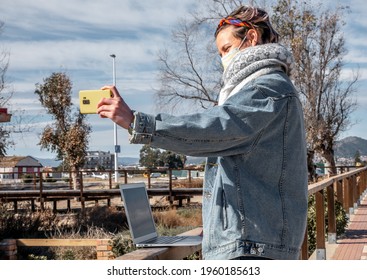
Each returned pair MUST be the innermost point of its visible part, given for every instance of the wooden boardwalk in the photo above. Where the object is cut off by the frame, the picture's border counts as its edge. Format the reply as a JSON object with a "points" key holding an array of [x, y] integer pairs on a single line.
{"points": [[354, 245]]}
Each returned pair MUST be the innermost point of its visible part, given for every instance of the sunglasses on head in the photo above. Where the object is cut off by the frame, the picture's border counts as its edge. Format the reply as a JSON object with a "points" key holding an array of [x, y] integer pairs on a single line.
{"points": [[234, 21]]}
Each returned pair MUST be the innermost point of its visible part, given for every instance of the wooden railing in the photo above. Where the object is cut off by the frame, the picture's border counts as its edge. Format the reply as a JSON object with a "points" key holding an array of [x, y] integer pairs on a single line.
{"points": [[41, 191], [38, 179], [43, 196], [347, 188]]}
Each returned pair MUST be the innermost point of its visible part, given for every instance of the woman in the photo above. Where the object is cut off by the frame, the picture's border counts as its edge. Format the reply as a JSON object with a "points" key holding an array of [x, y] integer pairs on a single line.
{"points": [[255, 187]]}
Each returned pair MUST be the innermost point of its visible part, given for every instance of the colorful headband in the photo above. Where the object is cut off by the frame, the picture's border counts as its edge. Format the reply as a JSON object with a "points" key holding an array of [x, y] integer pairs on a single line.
{"points": [[235, 22]]}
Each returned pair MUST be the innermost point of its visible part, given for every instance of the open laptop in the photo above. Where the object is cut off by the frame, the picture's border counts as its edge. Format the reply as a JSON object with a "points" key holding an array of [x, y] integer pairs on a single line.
{"points": [[141, 222]]}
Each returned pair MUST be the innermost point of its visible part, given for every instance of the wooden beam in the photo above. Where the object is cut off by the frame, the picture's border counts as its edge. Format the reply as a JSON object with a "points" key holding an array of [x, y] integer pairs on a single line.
{"points": [[56, 242]]}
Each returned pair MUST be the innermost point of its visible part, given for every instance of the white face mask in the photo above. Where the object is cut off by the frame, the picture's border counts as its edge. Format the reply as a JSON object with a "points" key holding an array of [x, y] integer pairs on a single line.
{"points": [[226, 60]]}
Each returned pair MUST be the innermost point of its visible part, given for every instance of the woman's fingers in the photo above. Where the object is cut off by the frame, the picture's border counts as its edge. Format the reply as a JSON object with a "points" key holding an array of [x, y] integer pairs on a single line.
{"points": [[115, 108], [114, 91]]}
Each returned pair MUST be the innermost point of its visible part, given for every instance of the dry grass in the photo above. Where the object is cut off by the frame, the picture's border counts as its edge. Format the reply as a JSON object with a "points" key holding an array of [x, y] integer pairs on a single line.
{"points": [[185, 183], [182, 217]]}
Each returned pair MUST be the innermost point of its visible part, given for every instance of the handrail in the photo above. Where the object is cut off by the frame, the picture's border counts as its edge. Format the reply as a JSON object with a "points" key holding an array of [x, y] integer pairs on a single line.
{"points": [[86, 194], [347, 188], [313, 188]]}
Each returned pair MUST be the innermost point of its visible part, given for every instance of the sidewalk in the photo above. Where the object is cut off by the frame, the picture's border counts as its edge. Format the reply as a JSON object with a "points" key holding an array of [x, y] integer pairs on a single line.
{"points": [[354, 245]]}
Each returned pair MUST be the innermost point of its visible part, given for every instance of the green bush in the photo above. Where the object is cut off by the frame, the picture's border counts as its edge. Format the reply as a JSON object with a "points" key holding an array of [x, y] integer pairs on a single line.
{"points": [[122, 244], [341, 221]]}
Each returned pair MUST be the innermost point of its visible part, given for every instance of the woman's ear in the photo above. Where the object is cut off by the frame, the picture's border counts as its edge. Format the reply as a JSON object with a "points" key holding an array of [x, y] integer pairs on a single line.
{"points": [[253, 37]]}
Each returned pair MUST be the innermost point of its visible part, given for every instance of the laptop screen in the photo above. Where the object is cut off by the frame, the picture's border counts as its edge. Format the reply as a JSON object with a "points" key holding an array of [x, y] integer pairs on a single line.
{"points": [[138, 210]]}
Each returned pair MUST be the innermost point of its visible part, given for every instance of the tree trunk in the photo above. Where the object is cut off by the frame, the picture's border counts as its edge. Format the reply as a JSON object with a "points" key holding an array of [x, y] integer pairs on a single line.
{"points": [[328, 155], [75, 178], [311, 166]]}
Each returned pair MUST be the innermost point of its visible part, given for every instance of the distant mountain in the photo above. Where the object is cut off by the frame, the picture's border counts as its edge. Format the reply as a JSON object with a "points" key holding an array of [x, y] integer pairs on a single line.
{"points": [[348, 147], [49, 162], [128, 161], [195, 160]]}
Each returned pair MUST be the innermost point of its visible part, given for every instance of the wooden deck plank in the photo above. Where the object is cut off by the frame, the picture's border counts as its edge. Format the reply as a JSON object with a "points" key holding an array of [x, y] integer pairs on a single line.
{"points": [[354, 245]]}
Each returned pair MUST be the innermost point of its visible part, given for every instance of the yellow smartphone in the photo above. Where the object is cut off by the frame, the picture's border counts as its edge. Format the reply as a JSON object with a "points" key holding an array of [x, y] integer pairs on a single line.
{"points": [[88, 100]]}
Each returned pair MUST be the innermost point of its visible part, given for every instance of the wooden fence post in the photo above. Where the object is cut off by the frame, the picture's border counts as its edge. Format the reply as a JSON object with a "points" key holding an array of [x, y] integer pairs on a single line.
{"points": [[42, 200], [149, 182], [345, 183], [125, 175], [320, 226], [355, 193], [338, 185], [331, 214], [82, 199], [350, 195], [170, 187], [361, 184], [304, 248]]}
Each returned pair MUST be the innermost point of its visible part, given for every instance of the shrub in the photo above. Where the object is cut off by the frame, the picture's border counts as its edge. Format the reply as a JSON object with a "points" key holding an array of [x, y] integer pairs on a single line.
{"points": [[122, 244], [108, 218], [341, 221], [26, 223]]}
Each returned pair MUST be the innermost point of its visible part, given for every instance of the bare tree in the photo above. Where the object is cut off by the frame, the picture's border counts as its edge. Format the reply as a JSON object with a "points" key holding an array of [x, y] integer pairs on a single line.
{"points": [[314, 33], [68, 136], [189, 67], [19, 124], [5, 95]]}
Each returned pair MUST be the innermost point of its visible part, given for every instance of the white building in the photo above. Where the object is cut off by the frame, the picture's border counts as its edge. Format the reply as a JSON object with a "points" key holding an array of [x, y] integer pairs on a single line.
{"points": [[98, 160]]}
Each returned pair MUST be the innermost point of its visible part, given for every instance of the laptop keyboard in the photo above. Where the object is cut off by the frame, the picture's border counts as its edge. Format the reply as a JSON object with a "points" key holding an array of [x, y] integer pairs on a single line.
{"points": [[166, 239]]}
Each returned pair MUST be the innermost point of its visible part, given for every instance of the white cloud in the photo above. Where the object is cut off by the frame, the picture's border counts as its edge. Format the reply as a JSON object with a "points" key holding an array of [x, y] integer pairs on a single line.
{"points": [[81, 54], [79, 15]]}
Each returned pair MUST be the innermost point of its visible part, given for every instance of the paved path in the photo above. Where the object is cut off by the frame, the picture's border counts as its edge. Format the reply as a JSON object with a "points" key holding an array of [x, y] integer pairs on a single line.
{"points": [[354, 245]]}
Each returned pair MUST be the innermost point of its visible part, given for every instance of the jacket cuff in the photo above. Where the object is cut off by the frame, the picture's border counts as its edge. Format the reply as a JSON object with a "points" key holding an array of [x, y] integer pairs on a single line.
{"points": [[142, 129]]}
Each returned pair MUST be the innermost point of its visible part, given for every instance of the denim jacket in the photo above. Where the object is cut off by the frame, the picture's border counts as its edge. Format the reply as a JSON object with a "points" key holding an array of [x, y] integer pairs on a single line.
{"points": [[255, 187]]}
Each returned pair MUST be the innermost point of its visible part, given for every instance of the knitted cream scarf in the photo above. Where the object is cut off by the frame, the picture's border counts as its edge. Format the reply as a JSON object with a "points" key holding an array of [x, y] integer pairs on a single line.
{"points": [[253, 62]]}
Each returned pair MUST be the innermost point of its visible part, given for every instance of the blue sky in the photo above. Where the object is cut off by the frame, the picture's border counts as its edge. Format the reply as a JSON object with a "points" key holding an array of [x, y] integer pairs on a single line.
{"points": [[78, 36]]}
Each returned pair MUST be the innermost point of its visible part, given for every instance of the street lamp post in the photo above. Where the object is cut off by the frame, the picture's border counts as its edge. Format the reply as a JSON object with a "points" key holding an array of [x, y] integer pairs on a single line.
{"points": [[117, 147]]}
